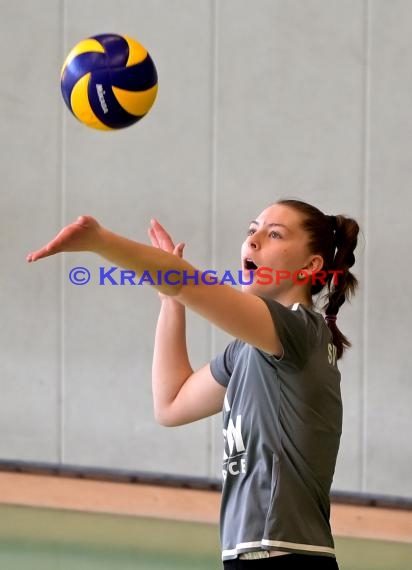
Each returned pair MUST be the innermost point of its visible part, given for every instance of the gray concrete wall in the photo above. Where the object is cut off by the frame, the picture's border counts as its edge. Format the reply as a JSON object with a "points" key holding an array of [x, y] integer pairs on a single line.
{"points": [[302, 98]]}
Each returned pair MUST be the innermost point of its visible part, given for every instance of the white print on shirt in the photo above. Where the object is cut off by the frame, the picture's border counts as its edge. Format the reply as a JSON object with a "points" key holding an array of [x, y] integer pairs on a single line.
{"points": [[234, 452], [332, 353]]}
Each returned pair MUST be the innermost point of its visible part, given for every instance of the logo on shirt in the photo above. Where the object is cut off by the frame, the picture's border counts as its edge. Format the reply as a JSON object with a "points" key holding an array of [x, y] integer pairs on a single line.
{"points": [[234, 452]]}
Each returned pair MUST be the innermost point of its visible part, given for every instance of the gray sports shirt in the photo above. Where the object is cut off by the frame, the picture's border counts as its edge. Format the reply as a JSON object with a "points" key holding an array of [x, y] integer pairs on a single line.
{"points": [[282, 425]]}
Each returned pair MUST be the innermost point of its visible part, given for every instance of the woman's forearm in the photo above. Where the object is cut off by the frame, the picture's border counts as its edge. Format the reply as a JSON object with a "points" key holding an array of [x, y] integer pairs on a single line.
{"points": [[142, 258], [171, 366]]}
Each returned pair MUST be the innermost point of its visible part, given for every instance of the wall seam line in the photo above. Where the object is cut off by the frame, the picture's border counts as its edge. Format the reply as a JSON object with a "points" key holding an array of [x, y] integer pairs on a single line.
{"points": [[366, 185]]}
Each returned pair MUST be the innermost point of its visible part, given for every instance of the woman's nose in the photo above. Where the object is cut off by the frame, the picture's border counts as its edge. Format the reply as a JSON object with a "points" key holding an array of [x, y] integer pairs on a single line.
{"points": [[254, 241]]}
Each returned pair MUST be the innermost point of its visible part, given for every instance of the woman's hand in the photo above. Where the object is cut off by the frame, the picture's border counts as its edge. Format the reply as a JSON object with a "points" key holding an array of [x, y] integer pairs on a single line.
{"points": [[161, 239], [85, 234]]}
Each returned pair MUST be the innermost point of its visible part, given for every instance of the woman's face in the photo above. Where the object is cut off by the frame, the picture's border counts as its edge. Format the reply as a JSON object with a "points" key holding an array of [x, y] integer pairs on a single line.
{"points": [[277, 241]]}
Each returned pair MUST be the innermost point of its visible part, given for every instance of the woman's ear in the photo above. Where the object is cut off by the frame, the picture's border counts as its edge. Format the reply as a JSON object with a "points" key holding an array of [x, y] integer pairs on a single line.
{"points": [[314, 265]]}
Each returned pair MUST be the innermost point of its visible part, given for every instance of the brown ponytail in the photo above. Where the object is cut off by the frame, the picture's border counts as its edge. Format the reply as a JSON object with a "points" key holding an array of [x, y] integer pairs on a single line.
{"points": [[345, 284], [335, 239]]}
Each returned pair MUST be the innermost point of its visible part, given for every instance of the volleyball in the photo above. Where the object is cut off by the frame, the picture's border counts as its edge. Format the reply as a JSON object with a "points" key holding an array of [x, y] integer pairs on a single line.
{"points": [[109, 81]]}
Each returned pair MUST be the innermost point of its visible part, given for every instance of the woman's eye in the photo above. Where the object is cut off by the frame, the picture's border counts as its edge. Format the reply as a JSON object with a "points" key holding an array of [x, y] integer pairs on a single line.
{"points": [[251, 231], [275, 235]]}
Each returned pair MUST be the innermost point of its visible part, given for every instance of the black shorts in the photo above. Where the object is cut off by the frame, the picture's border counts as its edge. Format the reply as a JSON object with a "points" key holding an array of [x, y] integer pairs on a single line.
{"points": [[289, 561]]}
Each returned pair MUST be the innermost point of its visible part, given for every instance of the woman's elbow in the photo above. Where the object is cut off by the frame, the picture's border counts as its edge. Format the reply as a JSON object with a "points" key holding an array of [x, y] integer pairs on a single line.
{"points": [[165, 419]]}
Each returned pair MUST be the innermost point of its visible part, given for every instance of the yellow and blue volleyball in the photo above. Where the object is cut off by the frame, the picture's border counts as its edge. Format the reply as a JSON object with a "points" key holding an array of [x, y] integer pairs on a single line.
{"points": [[109, 81]]}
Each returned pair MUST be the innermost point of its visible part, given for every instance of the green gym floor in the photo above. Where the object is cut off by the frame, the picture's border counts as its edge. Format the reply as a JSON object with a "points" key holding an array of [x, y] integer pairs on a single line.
{"points": [[51, 539]]}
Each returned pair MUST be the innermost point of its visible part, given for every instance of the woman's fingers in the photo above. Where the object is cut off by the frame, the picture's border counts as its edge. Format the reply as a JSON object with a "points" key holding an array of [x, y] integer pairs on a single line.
{"points": [[178, 250], [159, 237]]}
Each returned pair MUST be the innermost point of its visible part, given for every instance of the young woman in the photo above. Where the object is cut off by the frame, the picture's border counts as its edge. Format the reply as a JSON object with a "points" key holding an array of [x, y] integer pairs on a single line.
{"points": [[277, 383]]}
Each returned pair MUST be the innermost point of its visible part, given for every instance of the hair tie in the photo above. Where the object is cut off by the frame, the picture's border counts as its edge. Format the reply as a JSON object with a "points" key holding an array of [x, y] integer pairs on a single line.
{"points": [[331, 318]]}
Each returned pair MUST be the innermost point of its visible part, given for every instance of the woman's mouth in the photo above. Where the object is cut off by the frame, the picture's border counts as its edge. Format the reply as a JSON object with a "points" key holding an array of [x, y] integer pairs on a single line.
{"points": [[249, 264]]}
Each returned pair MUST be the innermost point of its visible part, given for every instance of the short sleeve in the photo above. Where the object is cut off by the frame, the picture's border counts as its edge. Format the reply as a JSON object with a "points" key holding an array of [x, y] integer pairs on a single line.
{"points": [[222, 365], [293, 330]]}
